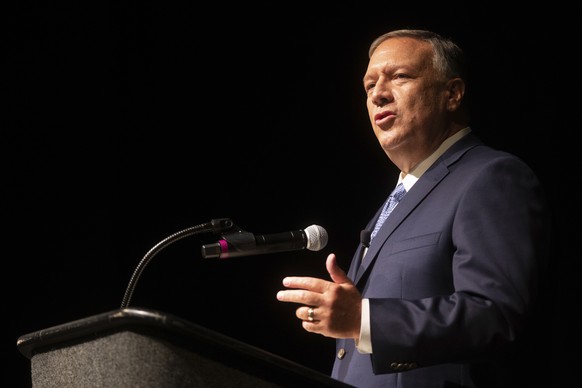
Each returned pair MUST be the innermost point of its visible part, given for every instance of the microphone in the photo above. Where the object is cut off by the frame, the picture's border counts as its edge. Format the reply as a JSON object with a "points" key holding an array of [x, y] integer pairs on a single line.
{"points": [[365, 237], [243, 243]]}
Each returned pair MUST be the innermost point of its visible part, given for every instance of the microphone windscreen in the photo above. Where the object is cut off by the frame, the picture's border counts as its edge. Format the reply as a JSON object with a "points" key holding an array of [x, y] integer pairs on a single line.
{"points": [[316, 237]]}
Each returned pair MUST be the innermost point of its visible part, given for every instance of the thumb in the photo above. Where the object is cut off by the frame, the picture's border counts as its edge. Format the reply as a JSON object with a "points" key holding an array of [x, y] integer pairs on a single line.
{"points": [[337, 274]]}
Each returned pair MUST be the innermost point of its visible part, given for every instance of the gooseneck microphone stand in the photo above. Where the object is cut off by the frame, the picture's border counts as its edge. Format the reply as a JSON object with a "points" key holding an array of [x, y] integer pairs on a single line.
{"points": [[218, 225]]}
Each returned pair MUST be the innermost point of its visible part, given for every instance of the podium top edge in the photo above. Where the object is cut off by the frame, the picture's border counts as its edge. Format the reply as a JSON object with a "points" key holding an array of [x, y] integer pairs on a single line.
{"points": [[93, 325]]}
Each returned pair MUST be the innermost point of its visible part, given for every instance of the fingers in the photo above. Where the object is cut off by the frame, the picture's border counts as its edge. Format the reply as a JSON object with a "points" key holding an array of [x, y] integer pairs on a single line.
{"points": [[309, 290], [335, 272], [306, 313], [303, 297], [305, 283], [330, 308]]}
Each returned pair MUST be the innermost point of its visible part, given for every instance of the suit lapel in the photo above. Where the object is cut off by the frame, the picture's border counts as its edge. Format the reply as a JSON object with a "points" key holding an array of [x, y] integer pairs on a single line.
{"points": [[411, 200]]}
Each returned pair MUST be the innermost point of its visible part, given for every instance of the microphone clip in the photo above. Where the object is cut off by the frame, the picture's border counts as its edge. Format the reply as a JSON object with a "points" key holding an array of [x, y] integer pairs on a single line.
{"points": [[220, 225], [233, 234], [233, 238]]}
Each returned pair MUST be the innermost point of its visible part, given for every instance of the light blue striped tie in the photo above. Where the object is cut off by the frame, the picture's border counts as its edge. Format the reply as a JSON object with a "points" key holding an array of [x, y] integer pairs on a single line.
{"points": [[391, 203]]}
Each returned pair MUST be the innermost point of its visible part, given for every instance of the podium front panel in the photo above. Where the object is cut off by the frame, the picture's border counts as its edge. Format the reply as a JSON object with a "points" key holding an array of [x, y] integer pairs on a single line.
{"points": [[146, 349]]}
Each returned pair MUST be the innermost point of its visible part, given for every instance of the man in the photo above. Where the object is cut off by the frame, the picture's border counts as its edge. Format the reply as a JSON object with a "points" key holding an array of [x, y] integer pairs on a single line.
{"points": [[444, 294]]}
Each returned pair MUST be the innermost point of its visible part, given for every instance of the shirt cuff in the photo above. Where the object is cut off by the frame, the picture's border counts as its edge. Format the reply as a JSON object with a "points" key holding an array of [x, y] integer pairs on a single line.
{"points": [[364, 343]]}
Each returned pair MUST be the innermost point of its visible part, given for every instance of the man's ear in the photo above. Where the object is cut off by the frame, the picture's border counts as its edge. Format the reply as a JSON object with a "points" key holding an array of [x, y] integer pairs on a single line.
{"points": [[455, 93]]}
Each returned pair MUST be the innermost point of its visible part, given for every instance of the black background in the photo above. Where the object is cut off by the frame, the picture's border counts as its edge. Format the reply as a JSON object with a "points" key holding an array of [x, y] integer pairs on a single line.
{"points": [[125, 123]]}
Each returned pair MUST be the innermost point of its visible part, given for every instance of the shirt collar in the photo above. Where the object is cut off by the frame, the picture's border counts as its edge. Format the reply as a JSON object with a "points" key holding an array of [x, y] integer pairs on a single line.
{"points": [[411, 178]]}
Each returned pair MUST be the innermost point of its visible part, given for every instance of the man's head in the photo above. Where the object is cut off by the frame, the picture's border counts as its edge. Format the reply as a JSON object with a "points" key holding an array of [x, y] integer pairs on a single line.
{"points": [[415, 85]]}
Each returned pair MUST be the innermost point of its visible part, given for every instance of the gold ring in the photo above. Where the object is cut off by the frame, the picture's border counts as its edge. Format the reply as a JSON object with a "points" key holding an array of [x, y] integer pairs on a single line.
{"points": [[310, 314]]}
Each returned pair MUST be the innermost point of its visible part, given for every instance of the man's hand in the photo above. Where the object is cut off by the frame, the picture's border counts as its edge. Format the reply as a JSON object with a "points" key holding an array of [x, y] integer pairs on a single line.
{"points": [[330, 308]]}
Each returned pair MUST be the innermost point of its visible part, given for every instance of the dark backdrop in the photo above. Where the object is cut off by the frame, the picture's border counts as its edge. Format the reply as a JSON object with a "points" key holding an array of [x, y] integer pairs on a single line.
{"points": [[126, 123]]}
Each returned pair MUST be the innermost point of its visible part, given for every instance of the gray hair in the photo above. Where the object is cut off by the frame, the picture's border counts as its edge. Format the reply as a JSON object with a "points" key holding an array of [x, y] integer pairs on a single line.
{"points": [[448, 58]]}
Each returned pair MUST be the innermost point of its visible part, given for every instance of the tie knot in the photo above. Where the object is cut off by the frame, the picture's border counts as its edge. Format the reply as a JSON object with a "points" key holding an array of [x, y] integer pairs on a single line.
{"points": [[398, 192]]}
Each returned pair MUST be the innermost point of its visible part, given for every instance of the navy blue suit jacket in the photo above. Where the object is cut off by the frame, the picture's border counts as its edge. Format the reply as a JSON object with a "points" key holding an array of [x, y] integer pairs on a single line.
{"points": [[452, 275]]}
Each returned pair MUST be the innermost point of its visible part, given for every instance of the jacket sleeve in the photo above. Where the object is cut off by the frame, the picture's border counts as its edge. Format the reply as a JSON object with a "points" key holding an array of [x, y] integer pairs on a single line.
{"points": [[492, 237]]}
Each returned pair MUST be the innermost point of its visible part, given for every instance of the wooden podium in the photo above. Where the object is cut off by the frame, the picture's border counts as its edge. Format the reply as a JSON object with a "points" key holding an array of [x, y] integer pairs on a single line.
{"points": [[142, 348]]}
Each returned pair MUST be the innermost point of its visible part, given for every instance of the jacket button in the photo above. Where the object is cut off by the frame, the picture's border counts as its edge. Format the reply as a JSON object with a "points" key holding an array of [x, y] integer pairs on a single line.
{"points": [[341, 353], [400, 366]]}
